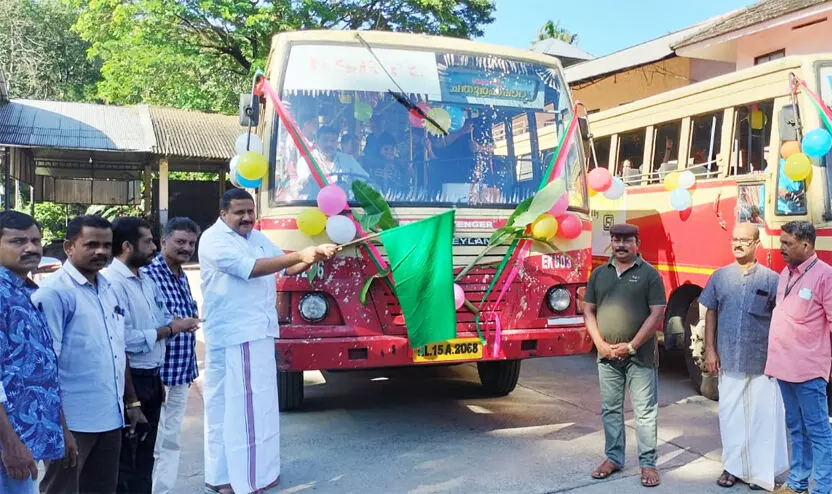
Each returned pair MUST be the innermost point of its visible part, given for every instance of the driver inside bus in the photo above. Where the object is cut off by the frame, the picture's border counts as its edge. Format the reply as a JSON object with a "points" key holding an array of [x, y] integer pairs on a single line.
{"points": [[337, 166]]}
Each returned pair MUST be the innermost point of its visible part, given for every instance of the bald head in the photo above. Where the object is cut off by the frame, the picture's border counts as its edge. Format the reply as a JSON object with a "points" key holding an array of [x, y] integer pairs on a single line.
{"points": [[747, 230], [744, 242]]}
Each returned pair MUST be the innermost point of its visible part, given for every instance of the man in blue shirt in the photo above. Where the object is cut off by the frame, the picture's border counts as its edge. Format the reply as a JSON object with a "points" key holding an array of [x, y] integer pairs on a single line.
{"points": [[31, 423]]}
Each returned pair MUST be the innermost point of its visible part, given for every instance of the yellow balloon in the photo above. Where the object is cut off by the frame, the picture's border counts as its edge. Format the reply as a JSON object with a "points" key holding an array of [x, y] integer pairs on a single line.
{"points": [[798, 166], [592, 192], [545, 227], [252, 166], [312, 222], [441, 117], [671, 181]]}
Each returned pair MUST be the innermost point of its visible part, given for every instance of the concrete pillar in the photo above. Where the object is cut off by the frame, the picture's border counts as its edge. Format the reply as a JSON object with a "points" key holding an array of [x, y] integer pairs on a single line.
{"points": [[163, 192], [223, 177]]}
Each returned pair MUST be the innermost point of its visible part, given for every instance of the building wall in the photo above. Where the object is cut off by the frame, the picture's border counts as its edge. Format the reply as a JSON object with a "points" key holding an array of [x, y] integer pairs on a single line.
{"points": [[806, 40], [648, 80]]}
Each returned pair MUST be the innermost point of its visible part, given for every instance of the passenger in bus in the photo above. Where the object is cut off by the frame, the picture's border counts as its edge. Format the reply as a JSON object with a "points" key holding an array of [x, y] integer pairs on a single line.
{"points": [[338, 167], [386, 169], [630, 175], [349, 144], [740, 299]]}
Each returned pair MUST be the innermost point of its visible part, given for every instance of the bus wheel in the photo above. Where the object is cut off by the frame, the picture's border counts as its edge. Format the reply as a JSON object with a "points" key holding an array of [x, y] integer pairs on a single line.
{"points": [[499, 377], [289, 390]]}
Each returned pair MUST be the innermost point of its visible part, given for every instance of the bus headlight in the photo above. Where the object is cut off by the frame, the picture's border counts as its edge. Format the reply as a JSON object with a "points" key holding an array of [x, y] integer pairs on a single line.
{"points": [[313, 307], [558, 299]]}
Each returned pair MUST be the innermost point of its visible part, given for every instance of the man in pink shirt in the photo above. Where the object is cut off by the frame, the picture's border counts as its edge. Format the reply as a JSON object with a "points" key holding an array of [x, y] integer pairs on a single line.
{"points": [[800, 357]]}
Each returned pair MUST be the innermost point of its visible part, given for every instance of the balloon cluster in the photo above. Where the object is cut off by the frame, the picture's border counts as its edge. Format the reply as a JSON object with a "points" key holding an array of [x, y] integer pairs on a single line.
{"points": [[249, 166], [679, 185], [600, 180], [798, 155], [332, 200], [547, 226], [450, 118]]}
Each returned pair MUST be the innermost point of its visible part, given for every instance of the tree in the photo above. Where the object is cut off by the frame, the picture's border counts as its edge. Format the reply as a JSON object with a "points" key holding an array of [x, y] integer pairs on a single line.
{"points": [[40, 55], [199, 54], [554, 30]]}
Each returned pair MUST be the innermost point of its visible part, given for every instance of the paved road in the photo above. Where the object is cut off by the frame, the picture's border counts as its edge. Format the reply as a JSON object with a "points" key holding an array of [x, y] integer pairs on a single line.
{"points": [[431, 430]]}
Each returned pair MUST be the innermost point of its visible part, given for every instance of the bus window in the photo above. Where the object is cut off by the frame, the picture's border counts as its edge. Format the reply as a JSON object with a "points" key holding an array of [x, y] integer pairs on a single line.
{"points": [[751, 203], [665, 150], [791, 194], [602, 153], [631, 155], [705, 144], [752, 135]]}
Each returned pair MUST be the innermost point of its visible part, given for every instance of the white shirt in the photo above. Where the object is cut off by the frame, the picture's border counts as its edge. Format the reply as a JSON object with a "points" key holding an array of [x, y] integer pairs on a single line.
{"points": [[146, 311], [236, 308], [87, 325]]}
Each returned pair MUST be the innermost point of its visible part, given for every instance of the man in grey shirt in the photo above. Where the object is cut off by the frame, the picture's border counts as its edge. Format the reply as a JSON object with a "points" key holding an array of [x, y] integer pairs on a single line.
{"points": [[740, 299]]}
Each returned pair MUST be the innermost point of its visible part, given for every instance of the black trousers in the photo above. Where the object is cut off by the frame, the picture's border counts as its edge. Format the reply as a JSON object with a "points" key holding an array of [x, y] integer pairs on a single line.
{"points": [[135, 472], [96, 470]]}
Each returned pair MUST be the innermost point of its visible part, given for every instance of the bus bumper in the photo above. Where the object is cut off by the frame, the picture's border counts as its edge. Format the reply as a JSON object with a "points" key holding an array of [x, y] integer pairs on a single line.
{"points": [[393, 351]]}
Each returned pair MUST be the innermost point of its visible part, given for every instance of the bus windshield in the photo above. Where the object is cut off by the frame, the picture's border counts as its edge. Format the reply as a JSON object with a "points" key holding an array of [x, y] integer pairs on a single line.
{"points": [[346, 100]]}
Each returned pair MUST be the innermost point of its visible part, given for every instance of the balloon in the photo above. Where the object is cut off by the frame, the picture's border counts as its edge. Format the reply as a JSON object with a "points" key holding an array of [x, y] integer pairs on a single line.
{"points": [[363, 111], [569, 226], [255, 144], [599, 179], [340, 229], [671, 181], [758, 119], [545, 227], [416, 119], [686, 179], [680, 199], [233, 179], [789, 148], [817, 143], [592, 192], [246, 183], [252, 165], [457, 115], [798, 166], [616, 190], [441, 117], [312, 221], [560, 207], [232, 165], [332, 200], [459, 296]]}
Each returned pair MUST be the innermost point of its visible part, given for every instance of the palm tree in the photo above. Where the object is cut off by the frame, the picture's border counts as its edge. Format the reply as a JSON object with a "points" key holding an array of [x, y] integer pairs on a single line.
{"points": [[554, 30]]}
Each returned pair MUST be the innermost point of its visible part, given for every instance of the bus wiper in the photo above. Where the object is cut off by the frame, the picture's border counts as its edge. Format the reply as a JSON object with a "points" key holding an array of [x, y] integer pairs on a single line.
{"points": [[401, 96]]}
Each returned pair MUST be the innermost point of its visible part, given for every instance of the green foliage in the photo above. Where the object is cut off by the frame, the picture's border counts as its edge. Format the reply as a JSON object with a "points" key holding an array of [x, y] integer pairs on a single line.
{"points": [[554, 30], [53, 217], [111, 213], [377, 213], [194, 176]]}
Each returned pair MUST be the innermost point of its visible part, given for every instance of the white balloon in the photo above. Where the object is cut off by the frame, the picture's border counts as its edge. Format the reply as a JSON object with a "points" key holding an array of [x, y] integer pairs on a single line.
{"points": [[255, 145], [233, 179], [680, 199], [232, 171], [616, 190], [340, 229], [687, 179]]}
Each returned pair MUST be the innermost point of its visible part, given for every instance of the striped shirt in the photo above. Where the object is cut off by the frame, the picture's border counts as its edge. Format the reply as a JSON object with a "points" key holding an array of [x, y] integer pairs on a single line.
{"points": [[180, 359]]}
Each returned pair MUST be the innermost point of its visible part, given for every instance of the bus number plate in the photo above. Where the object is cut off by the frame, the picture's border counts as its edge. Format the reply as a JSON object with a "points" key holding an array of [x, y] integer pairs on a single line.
{"points": [[449, 350]]}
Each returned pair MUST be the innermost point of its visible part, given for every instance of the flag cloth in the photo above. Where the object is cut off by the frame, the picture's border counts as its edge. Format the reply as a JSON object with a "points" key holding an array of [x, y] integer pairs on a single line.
{"points": [[421, 259]]}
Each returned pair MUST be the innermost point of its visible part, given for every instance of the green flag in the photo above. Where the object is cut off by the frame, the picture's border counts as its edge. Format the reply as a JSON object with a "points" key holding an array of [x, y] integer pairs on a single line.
{"points": [[421, 258]]}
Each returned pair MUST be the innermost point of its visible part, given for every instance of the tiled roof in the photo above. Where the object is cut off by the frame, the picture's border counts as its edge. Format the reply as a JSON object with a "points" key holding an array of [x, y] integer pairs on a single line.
{"points": [[762, 11], [190, 134]]}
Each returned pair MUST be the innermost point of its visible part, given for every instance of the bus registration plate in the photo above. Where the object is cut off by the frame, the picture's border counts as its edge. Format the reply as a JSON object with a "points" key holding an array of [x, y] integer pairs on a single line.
{"points": [[449, 350]]}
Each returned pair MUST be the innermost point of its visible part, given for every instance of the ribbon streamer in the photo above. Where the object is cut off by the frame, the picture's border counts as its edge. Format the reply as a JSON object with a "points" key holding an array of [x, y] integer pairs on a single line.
{"points": [[824, 111]]}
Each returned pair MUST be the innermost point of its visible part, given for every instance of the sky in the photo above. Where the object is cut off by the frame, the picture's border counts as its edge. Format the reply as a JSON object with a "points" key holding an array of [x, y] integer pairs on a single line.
{"points": [[603, 26]]}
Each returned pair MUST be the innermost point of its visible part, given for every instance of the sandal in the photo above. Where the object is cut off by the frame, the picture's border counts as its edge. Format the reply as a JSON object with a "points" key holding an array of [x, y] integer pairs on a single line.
{"points": [[650, 477], [605, 469], [726, 480]]}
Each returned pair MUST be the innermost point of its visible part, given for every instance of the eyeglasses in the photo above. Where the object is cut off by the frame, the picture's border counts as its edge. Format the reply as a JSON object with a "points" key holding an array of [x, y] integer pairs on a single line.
{"points": [[742, 241]]}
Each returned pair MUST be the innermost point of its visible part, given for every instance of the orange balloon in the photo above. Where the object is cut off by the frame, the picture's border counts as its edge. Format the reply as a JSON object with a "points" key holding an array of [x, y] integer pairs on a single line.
{"points": [[789, 148]]}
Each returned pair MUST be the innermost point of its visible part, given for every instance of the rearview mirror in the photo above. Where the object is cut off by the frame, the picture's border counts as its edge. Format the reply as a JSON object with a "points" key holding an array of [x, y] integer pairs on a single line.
{"points": [[249, 110]]}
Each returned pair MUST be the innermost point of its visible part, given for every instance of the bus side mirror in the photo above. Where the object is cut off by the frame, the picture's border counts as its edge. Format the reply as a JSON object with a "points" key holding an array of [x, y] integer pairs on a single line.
{"points": [[584, 127], [249, 110], [787, 123]]}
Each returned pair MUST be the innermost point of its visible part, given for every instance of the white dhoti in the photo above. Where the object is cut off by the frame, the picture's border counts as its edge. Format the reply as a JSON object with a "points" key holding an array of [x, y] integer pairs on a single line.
{"points": [[242, 427], [752, 422]]}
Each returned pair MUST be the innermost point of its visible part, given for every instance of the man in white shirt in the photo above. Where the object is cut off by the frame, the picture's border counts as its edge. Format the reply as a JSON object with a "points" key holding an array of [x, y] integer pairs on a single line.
{"points": [[339, 168], [147, 325], [238, 266]]}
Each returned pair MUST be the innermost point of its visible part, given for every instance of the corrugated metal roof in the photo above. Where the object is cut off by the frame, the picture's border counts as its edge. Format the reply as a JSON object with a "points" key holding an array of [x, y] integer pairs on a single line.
{"points": [[634, 56], [189, 134], [75, 126], [762, 11], [560, 48]]}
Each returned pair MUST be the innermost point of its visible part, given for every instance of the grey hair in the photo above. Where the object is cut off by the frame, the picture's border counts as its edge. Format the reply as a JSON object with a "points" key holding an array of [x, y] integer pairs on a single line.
{"points": [[803, 231], [181, 224]]}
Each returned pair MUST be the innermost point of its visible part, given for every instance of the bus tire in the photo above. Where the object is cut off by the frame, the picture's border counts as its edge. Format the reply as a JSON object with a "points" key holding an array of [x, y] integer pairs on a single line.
{"points": [[289, 390], [499, 377]]}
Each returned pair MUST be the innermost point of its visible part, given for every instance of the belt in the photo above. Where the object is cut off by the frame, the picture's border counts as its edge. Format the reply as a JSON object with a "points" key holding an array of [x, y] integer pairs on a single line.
{"points": [[145, 372]]}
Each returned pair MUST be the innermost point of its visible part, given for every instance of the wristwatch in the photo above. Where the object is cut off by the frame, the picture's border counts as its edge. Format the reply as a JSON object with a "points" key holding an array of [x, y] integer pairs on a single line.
{"points": [[631, 349], [135, 404]]}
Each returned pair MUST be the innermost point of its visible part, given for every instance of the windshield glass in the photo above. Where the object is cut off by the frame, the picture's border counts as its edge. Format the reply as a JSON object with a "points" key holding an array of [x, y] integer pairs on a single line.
{"points": [[340, 97]]}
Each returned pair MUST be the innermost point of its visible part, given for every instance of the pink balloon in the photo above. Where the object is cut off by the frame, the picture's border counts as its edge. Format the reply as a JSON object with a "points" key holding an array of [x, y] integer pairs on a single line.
{"points": [[459, 296], [599, 179], [560, 207], [569, 226], [332, 200], [417, 120]]}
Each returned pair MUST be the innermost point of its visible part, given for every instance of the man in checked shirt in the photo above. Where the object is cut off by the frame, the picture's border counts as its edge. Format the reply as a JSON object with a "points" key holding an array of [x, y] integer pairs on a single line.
{"points": [[179, 370]]}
